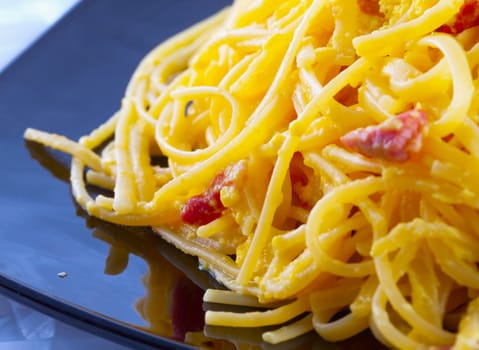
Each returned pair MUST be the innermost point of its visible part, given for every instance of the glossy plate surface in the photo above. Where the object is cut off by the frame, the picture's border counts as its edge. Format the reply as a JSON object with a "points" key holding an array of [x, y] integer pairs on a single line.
{"points": [[125, 284], [69, 82]]}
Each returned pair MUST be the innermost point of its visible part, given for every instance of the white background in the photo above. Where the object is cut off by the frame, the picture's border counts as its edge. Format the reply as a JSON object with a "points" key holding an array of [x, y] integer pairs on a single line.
{"points": [[23, 21]]}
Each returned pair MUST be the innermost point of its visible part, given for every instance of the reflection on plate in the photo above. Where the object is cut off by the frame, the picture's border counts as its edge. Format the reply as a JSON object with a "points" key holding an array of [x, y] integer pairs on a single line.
{"points": [[172, 305], [174, 285], [123, 283]]}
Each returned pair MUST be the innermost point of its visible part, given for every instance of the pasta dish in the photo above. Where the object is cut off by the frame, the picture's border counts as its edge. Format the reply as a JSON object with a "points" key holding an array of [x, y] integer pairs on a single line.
{"points": [[319, 157]]}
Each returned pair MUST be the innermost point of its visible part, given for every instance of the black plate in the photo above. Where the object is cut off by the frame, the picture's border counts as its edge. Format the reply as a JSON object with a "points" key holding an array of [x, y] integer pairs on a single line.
{"points": [[69, 82], [120, 283]]}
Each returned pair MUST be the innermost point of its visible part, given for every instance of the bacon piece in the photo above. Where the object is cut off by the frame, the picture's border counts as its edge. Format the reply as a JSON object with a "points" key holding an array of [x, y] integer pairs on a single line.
{"points": [[392, 140], [207, 206], [369, 7], [202, 209], [467, 17]]}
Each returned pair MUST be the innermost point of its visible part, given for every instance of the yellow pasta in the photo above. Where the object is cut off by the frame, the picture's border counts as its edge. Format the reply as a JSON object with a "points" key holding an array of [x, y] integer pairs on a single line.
{"points": [[322, 163]]}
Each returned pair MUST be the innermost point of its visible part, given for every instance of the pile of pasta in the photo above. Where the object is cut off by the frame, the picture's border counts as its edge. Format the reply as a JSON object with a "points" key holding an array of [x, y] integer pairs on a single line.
{"points": [[322, 162]]}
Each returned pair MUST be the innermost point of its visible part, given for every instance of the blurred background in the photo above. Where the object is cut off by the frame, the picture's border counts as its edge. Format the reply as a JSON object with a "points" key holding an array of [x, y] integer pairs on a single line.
{"points": [[22, 22]]}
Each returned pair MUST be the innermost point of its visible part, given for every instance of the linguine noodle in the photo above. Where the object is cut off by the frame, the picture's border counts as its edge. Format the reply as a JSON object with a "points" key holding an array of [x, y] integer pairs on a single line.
{"points": [[323, 154]]}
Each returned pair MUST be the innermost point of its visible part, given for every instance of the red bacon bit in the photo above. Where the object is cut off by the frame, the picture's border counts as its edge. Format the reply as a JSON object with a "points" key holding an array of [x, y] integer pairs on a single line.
{"points": [[202, 209], [207, 206], [467, 17], [392, 140], [369, 7]]}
